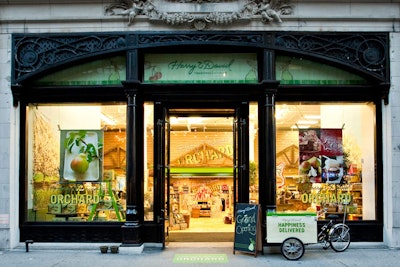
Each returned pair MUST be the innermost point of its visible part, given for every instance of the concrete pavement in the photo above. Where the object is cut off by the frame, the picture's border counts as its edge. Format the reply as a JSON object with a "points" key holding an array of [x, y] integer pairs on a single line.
{"points": [[77, 255]]}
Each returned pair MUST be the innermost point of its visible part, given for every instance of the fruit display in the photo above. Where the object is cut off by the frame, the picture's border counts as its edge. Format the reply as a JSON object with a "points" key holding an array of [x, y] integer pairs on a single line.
{"points": [[79, 163], [312, 168]]}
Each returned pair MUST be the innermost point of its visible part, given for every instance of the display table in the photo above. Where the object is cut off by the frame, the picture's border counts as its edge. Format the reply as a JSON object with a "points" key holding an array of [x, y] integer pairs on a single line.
{"points": [[205, 209], [205, 212]]}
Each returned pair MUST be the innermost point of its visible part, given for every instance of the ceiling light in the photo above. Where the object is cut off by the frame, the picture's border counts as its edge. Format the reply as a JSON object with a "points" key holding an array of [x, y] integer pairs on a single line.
{"points": [[312, 117], [107, 119], [281, 111], [195, 120], [307, 121], [174, 120]]}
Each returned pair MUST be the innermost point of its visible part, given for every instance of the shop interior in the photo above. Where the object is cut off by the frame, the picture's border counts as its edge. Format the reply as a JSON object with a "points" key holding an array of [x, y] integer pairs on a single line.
{"points": [[201, 193], [201, 186]]}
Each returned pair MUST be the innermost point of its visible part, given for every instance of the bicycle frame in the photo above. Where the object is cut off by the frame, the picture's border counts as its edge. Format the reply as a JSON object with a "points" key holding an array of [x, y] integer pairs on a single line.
{"points": [[331, 229]]}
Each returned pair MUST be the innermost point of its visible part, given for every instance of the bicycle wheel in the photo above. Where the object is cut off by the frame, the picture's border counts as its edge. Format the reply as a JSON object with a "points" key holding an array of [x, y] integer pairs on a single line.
{"points": [[339, 237], [292, 248]]}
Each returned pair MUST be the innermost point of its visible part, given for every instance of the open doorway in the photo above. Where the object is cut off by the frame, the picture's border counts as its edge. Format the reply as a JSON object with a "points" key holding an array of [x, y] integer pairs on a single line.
{"points": [[201, 183]]}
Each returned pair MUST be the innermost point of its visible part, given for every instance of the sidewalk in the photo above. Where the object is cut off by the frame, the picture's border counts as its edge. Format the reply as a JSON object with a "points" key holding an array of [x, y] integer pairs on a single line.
{"points": [[77, 255]]}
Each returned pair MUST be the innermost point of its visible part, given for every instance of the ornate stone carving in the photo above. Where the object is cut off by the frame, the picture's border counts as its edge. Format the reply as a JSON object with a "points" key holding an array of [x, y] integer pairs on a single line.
{"points": [[366, 51], [201, 13], [42, 52]]}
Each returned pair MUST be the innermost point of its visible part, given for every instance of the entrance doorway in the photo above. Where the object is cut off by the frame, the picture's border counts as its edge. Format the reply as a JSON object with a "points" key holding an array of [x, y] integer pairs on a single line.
{"points": [[201, 184], [201, 157]]}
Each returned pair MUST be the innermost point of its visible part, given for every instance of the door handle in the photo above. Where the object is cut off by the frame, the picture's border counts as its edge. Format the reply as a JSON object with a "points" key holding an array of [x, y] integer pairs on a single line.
{"points": [[163, 217]]}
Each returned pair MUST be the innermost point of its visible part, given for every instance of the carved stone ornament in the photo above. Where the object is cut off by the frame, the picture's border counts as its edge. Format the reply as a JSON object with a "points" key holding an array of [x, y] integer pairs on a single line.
{"points": [[200, 14]]}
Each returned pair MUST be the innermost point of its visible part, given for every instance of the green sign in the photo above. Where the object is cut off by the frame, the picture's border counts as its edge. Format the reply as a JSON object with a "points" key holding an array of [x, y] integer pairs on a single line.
{"points": [[302, 225], [246, 228], [201, 68]]}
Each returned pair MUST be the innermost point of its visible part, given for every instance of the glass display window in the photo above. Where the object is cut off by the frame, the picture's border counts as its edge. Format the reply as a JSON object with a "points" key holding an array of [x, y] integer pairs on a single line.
{"points": [[253, 153], [326, 157], [76, 163], [149, 162]]}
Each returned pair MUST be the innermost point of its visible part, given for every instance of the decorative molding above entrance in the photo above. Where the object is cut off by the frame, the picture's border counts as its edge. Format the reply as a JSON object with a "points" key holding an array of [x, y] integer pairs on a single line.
{"points": [[201, 14]]}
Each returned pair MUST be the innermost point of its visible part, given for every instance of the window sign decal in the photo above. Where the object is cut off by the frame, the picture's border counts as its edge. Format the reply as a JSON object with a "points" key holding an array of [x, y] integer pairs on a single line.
{"points": [[201, 68]]}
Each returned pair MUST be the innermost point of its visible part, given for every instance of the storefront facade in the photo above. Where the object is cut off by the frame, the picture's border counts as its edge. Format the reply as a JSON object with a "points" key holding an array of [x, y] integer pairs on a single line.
{"points": [[131, 136]]}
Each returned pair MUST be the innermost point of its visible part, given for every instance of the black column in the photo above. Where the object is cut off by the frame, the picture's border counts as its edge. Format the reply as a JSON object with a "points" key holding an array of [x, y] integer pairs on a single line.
{"points": [[134, 212], [267, 153], [267, 133], [270, 147]]}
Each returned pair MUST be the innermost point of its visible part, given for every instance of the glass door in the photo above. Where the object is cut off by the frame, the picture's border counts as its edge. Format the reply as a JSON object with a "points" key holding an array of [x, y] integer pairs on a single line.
{"points": [[201, 177], [161, 170], [203, 171], [242, 162]]}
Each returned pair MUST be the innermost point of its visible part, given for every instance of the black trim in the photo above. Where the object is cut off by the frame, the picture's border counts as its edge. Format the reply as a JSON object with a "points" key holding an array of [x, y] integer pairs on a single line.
{"points": [[75, 233], [363, 53], [37, 54]]}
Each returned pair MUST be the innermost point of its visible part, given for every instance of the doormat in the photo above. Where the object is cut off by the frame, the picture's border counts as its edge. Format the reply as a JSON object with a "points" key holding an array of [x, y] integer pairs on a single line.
{"points": [[200, 258]]}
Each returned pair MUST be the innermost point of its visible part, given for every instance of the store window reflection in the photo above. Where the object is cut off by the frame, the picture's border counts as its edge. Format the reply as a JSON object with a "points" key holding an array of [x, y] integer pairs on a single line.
{"points": [[326, 157], [76, 163]]}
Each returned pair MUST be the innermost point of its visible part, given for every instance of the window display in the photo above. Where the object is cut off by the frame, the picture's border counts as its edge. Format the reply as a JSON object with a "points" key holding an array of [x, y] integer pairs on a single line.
{"points": [[149, 162], [76, 163], [253, 154], [326, 157]]}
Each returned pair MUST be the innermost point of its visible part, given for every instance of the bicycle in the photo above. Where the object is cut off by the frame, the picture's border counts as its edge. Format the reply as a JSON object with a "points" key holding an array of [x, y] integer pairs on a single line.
{"points": [[334, 235]]}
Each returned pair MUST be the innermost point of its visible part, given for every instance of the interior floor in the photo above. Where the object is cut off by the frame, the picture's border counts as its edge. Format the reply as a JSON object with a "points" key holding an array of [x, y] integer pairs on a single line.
{"points": [[207, 225], [204, 230]]}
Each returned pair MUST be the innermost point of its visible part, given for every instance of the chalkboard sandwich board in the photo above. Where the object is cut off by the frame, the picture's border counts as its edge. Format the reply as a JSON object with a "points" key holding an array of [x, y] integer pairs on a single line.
{"points": [[247, 228]]}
